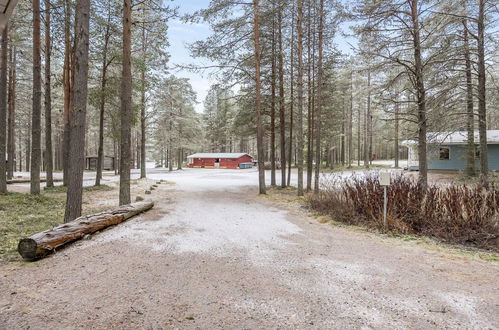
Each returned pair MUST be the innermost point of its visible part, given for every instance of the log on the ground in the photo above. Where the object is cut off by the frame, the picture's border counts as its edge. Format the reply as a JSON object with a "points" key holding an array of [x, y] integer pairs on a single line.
{"points": [[14, 181], [41, 244]]}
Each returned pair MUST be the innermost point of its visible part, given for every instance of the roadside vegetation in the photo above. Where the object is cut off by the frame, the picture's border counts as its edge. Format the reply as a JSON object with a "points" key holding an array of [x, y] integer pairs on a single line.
{"points": [[462, 214]]}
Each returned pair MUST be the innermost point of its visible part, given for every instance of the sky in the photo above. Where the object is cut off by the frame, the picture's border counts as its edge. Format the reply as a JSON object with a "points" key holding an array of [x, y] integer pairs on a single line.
{"points": [[180, 34]]}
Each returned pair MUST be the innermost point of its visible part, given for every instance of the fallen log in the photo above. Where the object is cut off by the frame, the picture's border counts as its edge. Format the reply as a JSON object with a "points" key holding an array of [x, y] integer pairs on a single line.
{"points": [[42, 244], [14, 181]]}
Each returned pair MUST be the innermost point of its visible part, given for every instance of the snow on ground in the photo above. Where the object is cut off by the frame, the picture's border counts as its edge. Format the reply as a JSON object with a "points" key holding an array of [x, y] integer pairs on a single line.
{"points": [[213, 255]]}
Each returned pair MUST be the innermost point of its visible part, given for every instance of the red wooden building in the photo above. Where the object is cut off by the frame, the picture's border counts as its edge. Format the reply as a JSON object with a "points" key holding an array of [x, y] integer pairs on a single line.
{"points": [[220, 160]]}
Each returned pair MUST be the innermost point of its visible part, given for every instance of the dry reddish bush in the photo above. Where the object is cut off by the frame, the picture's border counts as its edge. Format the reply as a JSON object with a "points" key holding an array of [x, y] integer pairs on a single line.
{"points": [[456, 213]]}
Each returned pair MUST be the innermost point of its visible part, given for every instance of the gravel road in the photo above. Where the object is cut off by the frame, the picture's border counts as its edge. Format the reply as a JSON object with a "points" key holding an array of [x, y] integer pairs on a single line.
{"points": [[212, 255]]}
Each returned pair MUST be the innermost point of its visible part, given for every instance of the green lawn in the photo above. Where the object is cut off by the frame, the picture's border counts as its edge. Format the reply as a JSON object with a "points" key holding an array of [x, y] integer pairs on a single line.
{"points": [[22, 215]]}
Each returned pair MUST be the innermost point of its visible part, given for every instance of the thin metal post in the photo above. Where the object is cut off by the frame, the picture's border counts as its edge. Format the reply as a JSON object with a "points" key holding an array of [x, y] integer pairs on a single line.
{"points": [[385, 207]]}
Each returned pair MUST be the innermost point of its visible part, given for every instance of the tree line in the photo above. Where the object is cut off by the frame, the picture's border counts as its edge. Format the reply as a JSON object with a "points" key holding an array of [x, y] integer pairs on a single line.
{"points": [[306, 101], [62, 58], [80, 78]]}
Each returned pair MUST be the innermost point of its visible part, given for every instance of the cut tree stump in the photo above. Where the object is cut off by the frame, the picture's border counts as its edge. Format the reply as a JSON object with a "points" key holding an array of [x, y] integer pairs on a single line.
{"points": [[42, 244]]}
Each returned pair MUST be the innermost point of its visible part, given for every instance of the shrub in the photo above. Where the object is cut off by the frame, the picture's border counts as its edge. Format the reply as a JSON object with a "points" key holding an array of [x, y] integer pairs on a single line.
{"points": [[454, 213]]}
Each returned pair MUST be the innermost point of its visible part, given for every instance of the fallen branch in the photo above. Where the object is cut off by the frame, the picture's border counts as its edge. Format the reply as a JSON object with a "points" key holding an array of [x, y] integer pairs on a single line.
{"points": [[42, 244]]}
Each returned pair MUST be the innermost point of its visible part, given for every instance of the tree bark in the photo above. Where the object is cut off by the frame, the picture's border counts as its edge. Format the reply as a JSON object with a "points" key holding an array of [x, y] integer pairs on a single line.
{"points": [[366, 121], [126, 105], [291, 94], [396, 140], [102, 105], [76, 161], [42, 244], [310, 101], [272, 107], [258, 98], [27, 150], [37, 104], [282, 114], [470, 116], [318, 160], [11, 136], [299, 54], [67, 89], [49, 165], [3, 109], [482, 105], [359, 141], [421, 95], [350, 124], [143, 118]]}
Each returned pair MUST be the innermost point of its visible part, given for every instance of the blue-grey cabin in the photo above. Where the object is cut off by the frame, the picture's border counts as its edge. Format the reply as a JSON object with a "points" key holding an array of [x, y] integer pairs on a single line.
{"points": [[448, 151]]}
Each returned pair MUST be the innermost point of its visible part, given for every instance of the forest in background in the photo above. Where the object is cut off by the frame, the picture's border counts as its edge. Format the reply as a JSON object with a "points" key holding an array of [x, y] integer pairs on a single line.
{"points": [[81, 78]]}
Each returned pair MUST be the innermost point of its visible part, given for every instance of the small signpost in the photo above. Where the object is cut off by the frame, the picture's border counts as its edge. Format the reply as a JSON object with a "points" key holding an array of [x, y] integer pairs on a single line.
{"points": [[385, 180]]}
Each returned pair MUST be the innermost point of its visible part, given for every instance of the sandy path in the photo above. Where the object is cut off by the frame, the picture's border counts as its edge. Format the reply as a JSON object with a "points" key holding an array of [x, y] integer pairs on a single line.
{"points": [[212, 255]]}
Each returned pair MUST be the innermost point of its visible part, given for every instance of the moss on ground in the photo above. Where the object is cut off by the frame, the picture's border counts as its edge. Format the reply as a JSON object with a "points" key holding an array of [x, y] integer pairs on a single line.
{"points": [[22, 215]]}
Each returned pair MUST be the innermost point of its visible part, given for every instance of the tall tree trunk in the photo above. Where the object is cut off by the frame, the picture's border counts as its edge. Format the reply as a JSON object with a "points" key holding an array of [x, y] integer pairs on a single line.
{"points": [[76, 161], [482, 105], [291, 93], [27, 150], [143, 109], [102, 101], [37, 104], [179, 152], [126, 105], [421, 95], [300, 98], [49, 165], [282, 115], [170, 135], [318, 160], [470, 117], [20, 145], [179, 159], [11, 136], [67, 89], [272, 107], [310, 93], [350, 124], [366, 121], [396, 140], [3, 109], [137, 148], [258, 98], [359, 141], [343, 132]]}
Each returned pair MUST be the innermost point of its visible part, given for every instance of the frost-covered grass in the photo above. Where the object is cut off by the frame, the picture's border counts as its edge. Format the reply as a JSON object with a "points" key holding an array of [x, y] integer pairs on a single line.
{"points": [[22, 215]]}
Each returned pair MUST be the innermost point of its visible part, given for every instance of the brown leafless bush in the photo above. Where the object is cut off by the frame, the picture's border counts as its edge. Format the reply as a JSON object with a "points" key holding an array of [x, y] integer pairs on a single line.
{"points": [[455, 213]]}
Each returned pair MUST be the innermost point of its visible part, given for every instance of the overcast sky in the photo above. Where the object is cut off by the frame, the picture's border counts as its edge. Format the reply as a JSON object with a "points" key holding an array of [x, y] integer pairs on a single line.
{"points": [[181, 34]]}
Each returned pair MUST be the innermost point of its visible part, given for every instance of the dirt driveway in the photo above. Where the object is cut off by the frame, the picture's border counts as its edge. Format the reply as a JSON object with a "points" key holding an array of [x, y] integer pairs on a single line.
{"points": [[211, 255]]}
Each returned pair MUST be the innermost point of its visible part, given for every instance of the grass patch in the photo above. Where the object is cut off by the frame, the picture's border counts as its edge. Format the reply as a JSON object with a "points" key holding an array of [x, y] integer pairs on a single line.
{"points": [[22, 215], [63, 189]]}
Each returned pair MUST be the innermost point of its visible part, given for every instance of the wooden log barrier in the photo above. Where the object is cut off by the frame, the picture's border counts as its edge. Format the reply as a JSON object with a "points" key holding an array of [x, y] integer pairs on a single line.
{"points": [[14, 181], [42, 244]]}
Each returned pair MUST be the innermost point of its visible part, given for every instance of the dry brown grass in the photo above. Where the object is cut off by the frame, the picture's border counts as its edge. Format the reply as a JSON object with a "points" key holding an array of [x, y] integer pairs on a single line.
{"points": [[463, 214]]}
